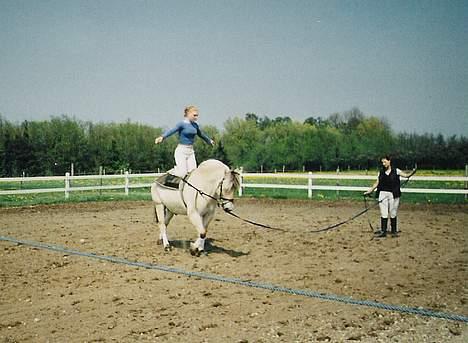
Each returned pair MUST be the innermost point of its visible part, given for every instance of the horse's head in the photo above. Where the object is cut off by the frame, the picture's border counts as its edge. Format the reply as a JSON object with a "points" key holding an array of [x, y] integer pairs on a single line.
{"points": [[229, 185], [227, 181]]}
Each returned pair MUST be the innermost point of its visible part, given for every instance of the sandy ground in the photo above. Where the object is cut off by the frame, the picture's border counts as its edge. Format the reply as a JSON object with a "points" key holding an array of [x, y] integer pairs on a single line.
{"points": [[48, 296]]}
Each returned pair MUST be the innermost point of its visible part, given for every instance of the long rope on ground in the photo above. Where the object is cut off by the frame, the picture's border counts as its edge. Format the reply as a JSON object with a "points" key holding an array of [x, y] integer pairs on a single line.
{"points": [[334, 226], [265, 226], [266, 286]]}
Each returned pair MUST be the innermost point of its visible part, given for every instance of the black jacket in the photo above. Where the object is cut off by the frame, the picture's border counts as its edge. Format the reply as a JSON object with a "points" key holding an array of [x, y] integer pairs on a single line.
{"points": [[389, 183]]}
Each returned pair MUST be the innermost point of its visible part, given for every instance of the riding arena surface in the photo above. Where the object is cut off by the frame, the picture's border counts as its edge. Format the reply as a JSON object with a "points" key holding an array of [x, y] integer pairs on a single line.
{"points": [[49, 296]]}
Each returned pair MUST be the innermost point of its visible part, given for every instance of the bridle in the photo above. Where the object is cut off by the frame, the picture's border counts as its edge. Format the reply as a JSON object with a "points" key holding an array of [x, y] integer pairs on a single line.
{"points": [[220, 201]]}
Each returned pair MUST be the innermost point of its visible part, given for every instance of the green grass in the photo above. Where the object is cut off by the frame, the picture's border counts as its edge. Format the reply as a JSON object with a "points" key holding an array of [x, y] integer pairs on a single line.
{"points": [[346, 195], [79, 196]]}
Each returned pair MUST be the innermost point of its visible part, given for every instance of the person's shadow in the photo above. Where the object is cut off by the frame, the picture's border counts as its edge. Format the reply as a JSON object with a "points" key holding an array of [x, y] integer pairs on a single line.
{"points": [[210, 248]]}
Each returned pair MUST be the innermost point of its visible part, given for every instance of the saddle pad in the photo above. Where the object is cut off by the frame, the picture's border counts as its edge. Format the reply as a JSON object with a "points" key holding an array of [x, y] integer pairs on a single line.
{"points": [[169, 180]]}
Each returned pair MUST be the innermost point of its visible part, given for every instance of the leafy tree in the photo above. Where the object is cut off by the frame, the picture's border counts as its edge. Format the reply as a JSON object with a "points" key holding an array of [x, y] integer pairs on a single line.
{"points": [[251, 117], [205, 151], [3, 141], [343, 139], [240, 141], [317, 122]]}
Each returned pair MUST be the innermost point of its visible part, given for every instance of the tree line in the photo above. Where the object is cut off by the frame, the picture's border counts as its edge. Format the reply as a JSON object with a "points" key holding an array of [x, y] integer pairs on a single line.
{"points": [[342, 140]]}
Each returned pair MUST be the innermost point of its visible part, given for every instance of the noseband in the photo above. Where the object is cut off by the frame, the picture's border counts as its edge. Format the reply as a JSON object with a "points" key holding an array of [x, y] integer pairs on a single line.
{"points": [[224, 200]]}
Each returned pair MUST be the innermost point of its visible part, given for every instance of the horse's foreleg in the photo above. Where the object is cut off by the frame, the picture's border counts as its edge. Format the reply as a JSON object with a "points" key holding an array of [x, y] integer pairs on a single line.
{"points": [[199, 245], [207, 218]]}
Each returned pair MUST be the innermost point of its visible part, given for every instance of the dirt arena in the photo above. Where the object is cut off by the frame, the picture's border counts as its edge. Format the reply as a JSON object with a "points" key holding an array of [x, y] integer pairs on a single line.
{"points": [[48, 296]]}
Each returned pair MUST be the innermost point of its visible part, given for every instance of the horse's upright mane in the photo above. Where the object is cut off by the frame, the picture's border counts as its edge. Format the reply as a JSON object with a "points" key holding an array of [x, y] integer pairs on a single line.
{"points": [[212, 162], [235, 177]]}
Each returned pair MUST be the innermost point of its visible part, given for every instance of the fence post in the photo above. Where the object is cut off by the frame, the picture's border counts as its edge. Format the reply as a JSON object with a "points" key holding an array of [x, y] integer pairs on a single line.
{"points": [[72, 172], [241, 183], [466, 183], [127, 182], [309, 189], [21, 182], [100, 181], [67, 185], [338, 182]]}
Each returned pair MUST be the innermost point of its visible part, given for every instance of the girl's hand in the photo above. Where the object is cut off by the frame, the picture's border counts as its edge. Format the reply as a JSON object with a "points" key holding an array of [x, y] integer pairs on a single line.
{"points": [[158, 140], [212, 142]]}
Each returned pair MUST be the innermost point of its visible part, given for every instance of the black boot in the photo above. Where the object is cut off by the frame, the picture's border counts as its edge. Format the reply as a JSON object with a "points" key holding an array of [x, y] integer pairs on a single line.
{"points": [[383, 228], [393, 224]]}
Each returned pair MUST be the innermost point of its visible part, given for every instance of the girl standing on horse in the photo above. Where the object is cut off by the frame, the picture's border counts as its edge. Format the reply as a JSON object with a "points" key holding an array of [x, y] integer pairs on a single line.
{"points": [[187, 129]]}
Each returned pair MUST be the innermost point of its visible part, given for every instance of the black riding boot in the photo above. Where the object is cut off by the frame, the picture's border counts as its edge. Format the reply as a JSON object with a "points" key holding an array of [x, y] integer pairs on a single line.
{"points": [[393, 224], [383, 227]]}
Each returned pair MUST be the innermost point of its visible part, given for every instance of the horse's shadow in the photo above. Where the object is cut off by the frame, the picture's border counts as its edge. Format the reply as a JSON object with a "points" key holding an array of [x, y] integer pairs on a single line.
{"points": [[210, 248]]}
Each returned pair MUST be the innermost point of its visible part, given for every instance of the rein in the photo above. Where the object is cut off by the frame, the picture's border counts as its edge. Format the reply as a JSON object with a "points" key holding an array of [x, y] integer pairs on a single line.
{"points": [[334, 226], [252, 222]]}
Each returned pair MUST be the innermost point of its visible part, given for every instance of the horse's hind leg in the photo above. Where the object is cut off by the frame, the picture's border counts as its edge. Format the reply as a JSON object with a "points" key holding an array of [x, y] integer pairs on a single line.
{"points": [[168, 217], [163, 217]]}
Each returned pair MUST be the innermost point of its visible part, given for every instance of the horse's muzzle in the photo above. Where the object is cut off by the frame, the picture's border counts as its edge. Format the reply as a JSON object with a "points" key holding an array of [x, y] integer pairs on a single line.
{"points": [[228, 206]]}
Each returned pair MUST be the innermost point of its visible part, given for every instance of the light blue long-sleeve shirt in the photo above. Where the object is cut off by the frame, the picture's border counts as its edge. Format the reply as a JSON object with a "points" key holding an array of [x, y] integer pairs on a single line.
{"points": [[187, 131]]}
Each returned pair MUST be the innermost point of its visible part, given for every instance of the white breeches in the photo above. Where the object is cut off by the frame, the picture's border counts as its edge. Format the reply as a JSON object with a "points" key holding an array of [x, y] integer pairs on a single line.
{"points": [[184, 156], [388, 205]]}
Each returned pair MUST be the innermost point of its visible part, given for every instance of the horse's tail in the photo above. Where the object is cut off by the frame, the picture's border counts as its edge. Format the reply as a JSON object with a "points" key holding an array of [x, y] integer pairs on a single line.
{"points": [[153, 195], [156, 218]]}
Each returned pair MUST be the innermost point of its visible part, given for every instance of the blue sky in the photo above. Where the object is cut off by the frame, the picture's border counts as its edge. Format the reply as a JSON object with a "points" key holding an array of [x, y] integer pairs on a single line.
{"points": [[109, 60]]}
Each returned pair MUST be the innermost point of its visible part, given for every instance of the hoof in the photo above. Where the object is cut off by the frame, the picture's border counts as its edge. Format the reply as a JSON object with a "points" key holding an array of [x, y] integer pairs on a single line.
{"points": [[168, 248], [195, 252]]}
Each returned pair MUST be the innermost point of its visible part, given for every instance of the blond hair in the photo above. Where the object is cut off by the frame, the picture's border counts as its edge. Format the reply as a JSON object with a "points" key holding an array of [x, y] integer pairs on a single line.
{"points": [[189, 109]]}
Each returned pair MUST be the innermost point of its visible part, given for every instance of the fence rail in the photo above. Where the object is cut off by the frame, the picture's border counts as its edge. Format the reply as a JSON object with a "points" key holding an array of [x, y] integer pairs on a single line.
{"points": [[310, 186], [67, 180]]}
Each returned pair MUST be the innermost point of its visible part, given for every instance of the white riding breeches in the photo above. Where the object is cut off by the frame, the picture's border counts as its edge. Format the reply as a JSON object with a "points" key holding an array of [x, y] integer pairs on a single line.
{"points": [[184, 156], [388, 205]]}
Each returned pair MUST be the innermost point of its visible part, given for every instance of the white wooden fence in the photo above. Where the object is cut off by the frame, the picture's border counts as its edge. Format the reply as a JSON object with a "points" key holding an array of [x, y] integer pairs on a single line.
{"points": [[67, 180], [310, 186], [126, 185]]}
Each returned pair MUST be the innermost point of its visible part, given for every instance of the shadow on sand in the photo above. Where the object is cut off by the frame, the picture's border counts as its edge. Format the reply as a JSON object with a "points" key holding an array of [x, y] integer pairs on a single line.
{"points": [[210, 248]]}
